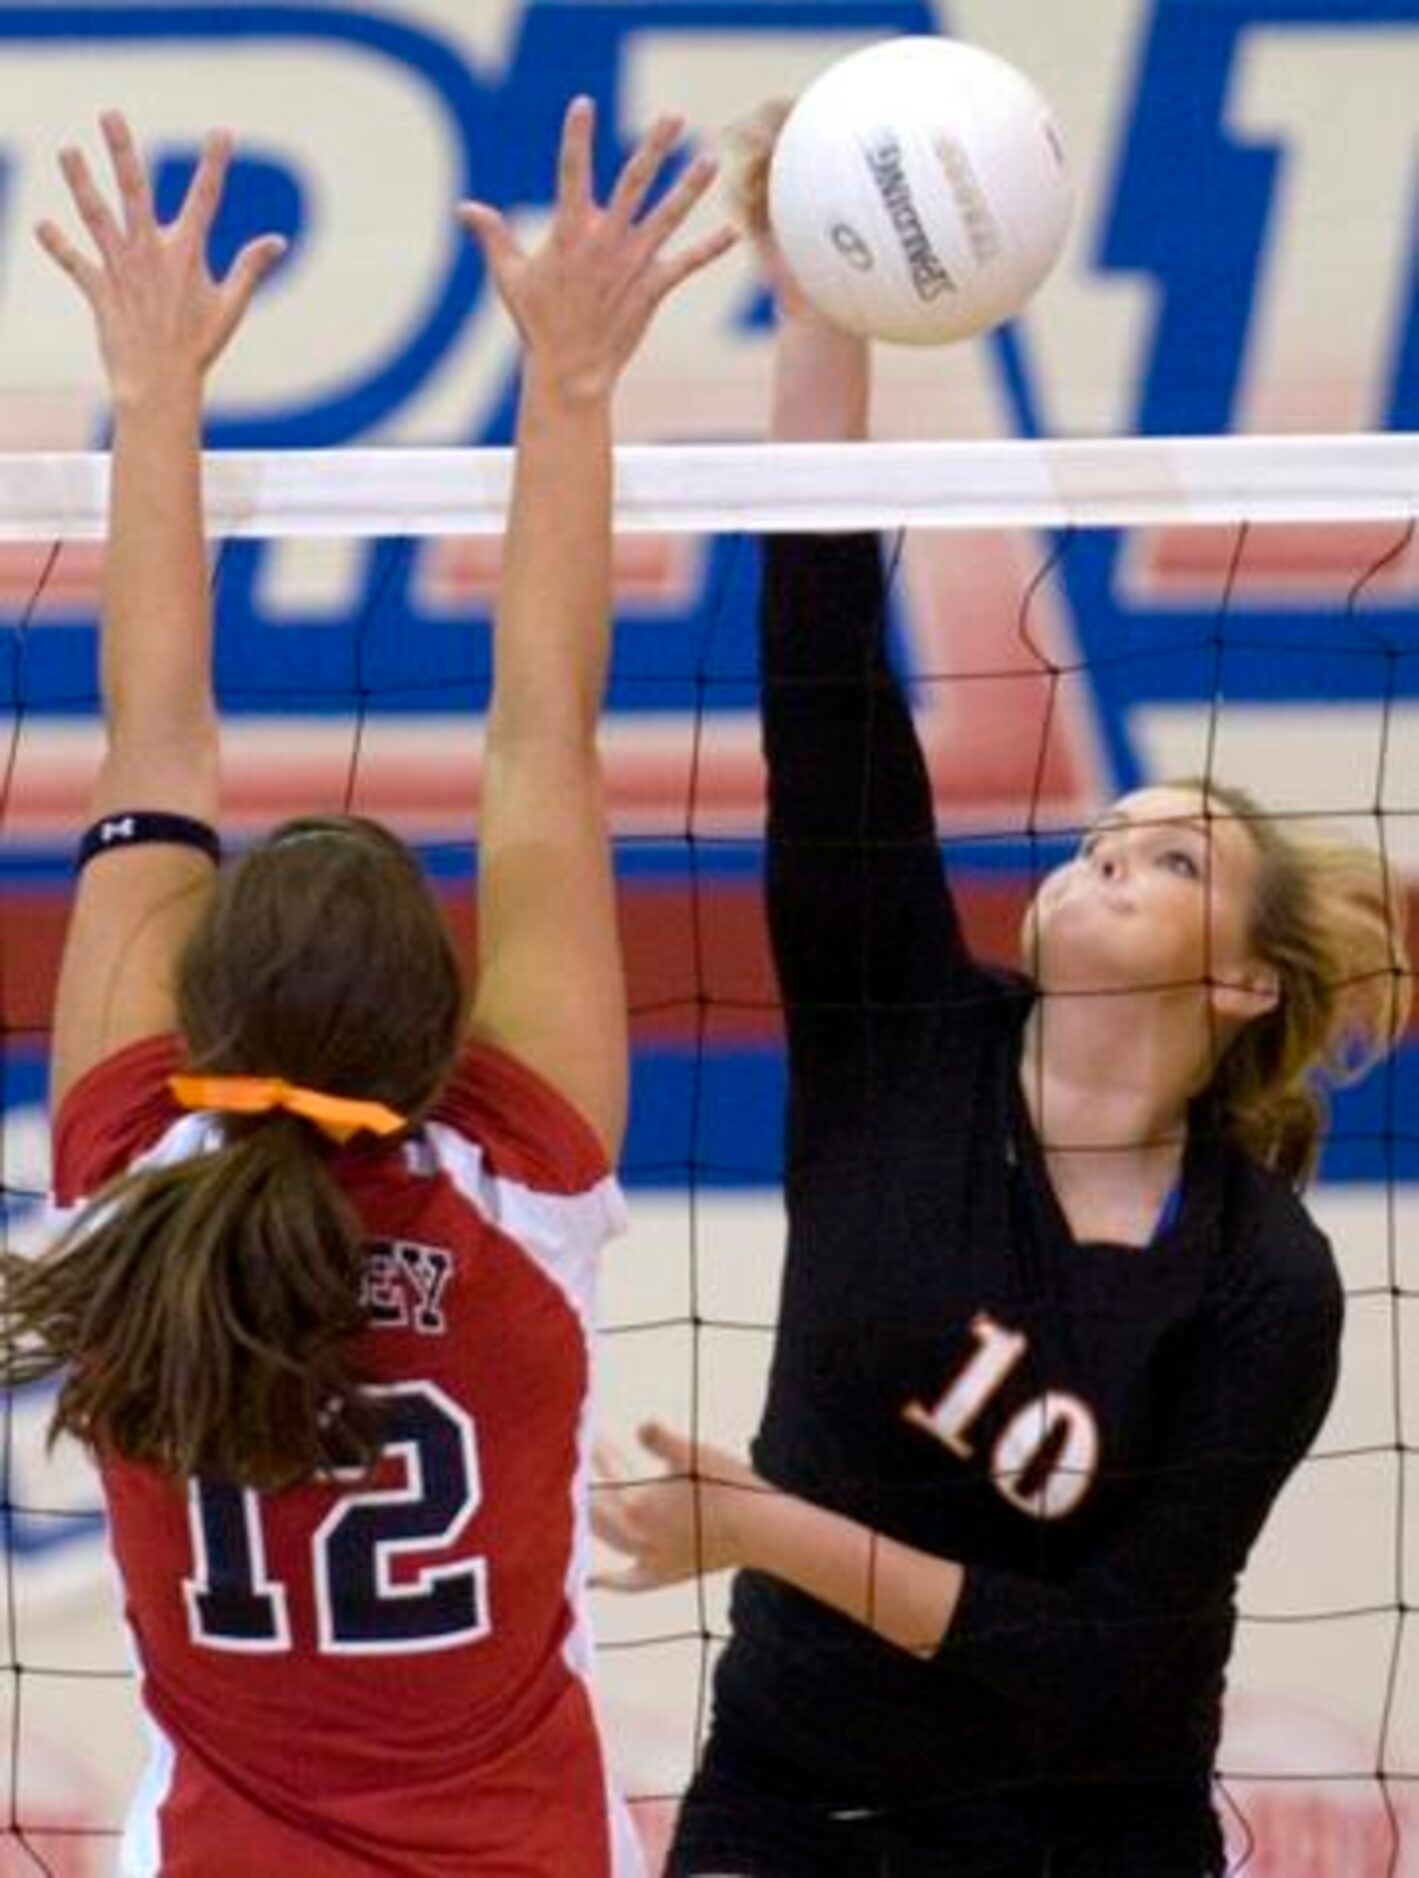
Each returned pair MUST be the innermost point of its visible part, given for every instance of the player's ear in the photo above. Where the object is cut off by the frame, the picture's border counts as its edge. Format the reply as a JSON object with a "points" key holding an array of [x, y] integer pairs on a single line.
{"points": [[1249, 994]]}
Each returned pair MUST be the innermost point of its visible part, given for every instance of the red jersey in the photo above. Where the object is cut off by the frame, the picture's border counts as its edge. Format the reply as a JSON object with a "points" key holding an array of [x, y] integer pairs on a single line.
{"points": [[387, 1674]]}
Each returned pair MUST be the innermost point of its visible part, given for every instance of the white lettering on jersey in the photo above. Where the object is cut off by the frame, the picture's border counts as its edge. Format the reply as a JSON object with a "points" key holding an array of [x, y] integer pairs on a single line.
{"points": [[996, 1353], [403, 1285], [1046, 1458]]}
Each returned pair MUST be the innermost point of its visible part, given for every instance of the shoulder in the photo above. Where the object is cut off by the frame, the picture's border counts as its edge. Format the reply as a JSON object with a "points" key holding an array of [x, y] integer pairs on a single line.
{"points": [[981, 993], [527, 1132], [990, 998], [117, 1111], [1008, 987], [1274, 1252], [527, 1163], [1277, 1315]]}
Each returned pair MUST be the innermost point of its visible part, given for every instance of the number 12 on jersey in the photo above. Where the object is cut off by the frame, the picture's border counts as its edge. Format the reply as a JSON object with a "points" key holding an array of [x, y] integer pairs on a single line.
{"points": [[234, 1604]]}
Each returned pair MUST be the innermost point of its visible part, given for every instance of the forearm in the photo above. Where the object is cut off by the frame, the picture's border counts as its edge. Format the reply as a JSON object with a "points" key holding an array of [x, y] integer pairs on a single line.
{"points": [[554, 602], [901, 1594], [156, 649], [821, 382], [852, 844]]}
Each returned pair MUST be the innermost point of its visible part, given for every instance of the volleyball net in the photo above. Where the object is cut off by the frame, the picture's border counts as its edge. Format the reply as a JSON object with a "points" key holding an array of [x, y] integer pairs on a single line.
{"points": [[1072, 620]]}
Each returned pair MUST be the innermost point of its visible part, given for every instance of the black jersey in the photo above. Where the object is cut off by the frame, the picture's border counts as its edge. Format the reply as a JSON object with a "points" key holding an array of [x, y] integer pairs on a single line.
{"points": [[1095, 1432]]}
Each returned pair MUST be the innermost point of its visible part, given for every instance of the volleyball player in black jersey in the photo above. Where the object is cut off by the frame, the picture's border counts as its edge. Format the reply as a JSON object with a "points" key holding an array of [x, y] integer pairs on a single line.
{"points": [[1055, 1325]]}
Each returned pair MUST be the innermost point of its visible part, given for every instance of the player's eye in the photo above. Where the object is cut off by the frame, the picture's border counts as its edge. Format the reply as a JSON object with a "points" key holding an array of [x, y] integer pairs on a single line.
{"points": [[1179, 861]]}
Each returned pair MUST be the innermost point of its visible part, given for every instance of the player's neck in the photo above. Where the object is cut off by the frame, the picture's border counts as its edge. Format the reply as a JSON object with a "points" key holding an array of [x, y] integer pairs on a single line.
{"points": [[1110, 1075]]}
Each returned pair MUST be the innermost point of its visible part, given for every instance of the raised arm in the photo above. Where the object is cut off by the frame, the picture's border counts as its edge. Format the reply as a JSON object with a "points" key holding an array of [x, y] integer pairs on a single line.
{"points": [[852, 842], [550, 985], [161, 321]]}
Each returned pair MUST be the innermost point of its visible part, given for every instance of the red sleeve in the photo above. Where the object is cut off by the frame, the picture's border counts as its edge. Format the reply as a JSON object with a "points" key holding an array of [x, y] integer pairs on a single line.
{"points": [[527, 1131], [114, 1112]]}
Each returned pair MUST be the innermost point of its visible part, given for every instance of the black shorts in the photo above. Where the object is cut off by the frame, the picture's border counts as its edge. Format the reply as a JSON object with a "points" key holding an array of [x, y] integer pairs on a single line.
{"points": [[738, 1820]]}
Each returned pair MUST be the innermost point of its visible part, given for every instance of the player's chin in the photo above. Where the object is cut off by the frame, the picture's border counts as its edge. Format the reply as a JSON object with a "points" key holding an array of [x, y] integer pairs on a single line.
{"points": [[1044, 928], [1098, 960], [1068, 934], [1056, 966]]}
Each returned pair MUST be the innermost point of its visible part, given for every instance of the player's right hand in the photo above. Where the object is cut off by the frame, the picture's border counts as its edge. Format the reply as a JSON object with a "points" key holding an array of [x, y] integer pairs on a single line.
{"points": [[751, 144], [684, 1522], [162, 318]]}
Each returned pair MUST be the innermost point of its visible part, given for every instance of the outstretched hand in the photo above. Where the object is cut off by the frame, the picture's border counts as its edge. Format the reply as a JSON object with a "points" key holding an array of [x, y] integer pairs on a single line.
{"points": [[752, 142], [162, 318], [821, 371], [682, 1524], [584, 298]]}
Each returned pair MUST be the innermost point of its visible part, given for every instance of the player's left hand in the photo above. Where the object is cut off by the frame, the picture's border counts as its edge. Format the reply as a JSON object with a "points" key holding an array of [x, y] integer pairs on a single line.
{"points": [[683, 1524], [583, 299]]}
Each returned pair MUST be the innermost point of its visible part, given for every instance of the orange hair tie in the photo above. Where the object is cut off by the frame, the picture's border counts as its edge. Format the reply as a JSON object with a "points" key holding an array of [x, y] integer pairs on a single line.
{"points": [[339, 1117]]}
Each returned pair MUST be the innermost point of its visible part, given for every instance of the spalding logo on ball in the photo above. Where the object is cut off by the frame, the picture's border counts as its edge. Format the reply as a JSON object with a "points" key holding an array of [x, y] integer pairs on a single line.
{"points": [[919, 192]]}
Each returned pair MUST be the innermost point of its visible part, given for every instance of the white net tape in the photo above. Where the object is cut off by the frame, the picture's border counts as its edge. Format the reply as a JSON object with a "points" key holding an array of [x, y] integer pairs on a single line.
{"points": [[726, 488]]}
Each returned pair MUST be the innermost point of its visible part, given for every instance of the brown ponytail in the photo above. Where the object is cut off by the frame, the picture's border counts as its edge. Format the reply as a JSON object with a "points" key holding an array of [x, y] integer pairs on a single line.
{"points": [[207, 1309]]}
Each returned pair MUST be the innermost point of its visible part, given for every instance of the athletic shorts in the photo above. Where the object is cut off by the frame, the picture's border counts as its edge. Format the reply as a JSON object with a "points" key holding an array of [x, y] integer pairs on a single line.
{"points": [[734, 1826]]}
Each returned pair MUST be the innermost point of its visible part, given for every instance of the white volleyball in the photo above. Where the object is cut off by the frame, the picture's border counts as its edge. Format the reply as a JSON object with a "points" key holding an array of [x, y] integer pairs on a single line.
{"points": [[919, 191]]}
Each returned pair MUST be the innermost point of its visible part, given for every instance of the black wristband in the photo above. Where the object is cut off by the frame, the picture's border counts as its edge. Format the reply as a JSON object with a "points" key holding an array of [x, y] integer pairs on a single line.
{"points": [[133, 827]]}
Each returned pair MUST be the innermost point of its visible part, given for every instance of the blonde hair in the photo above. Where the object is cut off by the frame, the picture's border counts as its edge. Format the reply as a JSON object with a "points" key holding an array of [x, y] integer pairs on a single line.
{"points": [[1329, 918]]}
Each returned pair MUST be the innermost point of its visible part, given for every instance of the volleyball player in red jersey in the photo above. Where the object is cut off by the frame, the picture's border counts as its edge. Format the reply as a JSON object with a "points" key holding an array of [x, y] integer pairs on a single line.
{"points": [[327, 1313]]}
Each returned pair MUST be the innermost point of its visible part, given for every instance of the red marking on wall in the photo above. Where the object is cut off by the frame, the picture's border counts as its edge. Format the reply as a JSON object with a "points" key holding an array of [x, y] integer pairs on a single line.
{"points": [[1310, 1803], [1318, 1829], [687, 951], [76, 1850], [660, 573], [1317, 565], [56, 1812], [1006, 715], [655, 1826], [660, 780], [697, 958], [41, 581]]}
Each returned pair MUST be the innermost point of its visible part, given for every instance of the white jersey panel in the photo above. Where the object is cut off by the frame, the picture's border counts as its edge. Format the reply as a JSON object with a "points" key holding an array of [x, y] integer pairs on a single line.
{"points": [[562, 1233]]}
